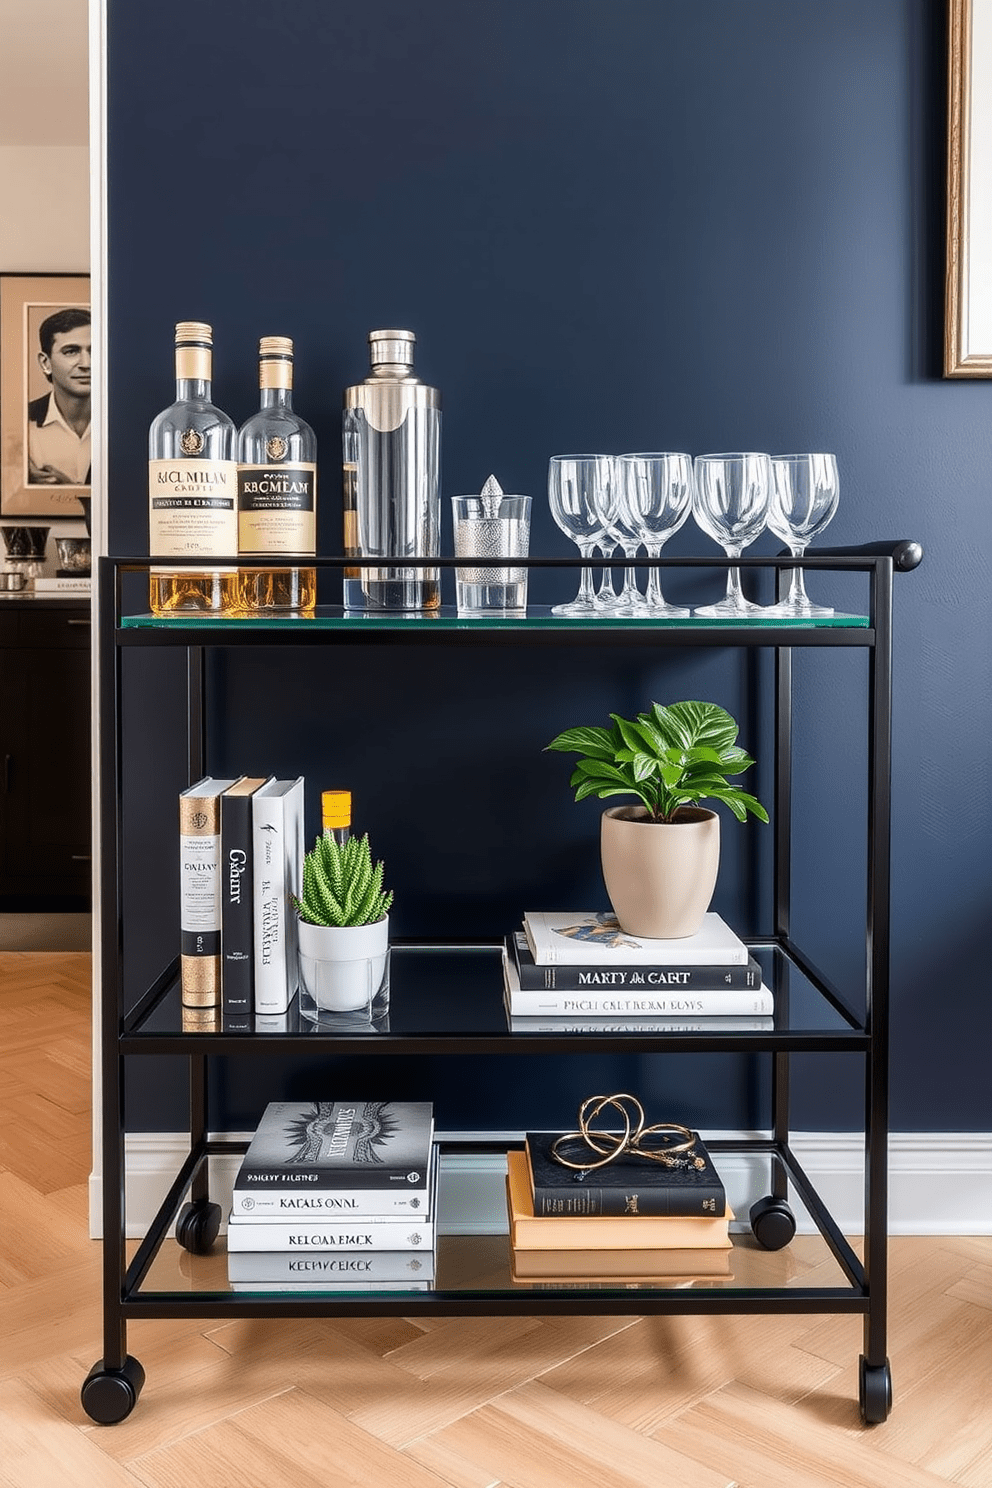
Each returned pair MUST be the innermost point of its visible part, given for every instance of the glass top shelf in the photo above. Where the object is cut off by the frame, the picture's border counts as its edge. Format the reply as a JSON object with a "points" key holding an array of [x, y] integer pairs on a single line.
{"points": [[447, 998], [538, 618]]}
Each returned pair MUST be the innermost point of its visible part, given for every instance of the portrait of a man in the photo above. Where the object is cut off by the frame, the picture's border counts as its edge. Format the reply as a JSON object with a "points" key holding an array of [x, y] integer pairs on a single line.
{"points": [[45, 391], [59, 420]]}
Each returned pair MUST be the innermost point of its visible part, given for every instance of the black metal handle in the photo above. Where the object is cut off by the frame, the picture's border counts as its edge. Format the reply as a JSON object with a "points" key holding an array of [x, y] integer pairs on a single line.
{"points": [[6, 773], [87, 622], [81, 858], [904, 552]]}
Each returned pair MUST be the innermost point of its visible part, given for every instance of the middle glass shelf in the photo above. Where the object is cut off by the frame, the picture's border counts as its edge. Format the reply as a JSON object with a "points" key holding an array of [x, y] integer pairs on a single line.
{"points": [[450, 999]]}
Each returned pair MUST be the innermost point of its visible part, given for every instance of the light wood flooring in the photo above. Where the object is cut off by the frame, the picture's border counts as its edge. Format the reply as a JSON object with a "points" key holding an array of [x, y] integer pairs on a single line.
{"points": [[594, 1402]]}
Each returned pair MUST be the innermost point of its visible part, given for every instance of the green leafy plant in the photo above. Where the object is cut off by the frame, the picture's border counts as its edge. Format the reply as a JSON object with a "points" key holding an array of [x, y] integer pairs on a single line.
{"points": [[341, 885], [668, 758]]}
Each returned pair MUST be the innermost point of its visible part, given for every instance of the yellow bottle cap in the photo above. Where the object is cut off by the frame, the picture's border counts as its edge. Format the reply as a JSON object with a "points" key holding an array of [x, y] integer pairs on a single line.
{"points": [[335, 808]]}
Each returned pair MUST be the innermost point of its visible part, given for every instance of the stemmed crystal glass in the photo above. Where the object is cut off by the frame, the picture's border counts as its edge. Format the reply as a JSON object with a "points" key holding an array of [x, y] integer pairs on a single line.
{"points": [[656, 492], [804, 497], [620, 530], [730, 503], [580, 495]]}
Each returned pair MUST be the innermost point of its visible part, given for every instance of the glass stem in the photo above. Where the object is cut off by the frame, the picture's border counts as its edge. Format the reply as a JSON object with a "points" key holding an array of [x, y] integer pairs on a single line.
{"points": [[654, 595], [586, 594], [606, 591], [735, 593], [798, 598], [631, 594]]}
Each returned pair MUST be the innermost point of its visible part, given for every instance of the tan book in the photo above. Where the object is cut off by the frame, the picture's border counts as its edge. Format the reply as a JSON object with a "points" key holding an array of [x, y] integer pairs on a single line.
{"points": [[599, 1232], [200, 891], [658, 1266]]}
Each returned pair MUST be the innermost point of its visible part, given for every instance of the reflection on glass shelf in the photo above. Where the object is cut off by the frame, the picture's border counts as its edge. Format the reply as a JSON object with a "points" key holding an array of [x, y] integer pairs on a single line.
{"points": [[538, 617], [456, 992], [483, 1266]]}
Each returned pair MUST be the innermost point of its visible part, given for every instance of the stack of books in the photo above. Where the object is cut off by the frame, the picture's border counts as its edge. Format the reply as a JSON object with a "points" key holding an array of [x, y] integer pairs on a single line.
{"points": [[633, 1220], [241, 861], [579, 972], [336, 1196]]}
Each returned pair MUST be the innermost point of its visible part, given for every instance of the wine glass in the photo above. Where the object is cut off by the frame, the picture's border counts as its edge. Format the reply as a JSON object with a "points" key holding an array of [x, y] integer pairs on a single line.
{"points": [[804, 497], [620, 529], [656, 491], [579, 490], [730, 503]]}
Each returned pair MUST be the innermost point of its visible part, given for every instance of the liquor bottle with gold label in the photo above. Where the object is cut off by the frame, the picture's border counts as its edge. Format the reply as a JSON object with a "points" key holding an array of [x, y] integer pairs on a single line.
{"points": [[277, 493], [192, 488]]}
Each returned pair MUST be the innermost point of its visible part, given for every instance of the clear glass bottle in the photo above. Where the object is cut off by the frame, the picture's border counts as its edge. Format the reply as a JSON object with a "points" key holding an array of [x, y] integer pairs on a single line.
{"points": [[392, 458], [277, 492], [335, 815], [192, 487]]}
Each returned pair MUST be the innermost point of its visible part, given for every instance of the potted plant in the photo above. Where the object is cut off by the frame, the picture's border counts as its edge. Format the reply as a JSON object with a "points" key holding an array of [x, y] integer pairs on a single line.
{"points": [[661, 857], [343, 929]]}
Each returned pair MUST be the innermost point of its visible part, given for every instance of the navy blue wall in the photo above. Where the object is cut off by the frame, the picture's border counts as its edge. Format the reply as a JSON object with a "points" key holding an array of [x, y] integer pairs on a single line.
{"points": [[644, 224]]}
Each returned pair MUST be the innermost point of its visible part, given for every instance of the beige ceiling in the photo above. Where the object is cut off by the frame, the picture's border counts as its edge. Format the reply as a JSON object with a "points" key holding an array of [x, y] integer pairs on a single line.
{"points": [[44, 74]]}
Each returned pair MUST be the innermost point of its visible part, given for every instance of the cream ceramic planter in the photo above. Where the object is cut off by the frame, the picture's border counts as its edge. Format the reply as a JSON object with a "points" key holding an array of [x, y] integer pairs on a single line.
{"points": [[343, 968], [660, 876]]}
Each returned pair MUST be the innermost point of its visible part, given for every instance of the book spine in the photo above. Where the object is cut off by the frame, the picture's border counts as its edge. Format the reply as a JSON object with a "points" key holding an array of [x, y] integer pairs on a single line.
{"points": [[199, 900], [744, 1002], [330, 1235], [568, 978], [582, 1199], [290, 1205], [237, 912], [270, 899], [300, 1179]]}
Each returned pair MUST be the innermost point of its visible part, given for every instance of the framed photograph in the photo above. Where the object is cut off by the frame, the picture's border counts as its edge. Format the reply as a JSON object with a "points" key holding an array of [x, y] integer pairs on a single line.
{"points": [[44, 394], [968, 297]]}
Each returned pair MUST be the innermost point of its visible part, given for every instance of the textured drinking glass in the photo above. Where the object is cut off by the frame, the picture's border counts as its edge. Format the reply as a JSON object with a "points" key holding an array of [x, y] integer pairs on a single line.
{"points": [[579, 490], [495, 528], [804, 497], [656, 490], [730, 503]]}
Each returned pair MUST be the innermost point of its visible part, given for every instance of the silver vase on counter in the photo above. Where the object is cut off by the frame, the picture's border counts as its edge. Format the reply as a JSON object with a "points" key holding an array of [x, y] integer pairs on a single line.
{"points": [[392, 458]]}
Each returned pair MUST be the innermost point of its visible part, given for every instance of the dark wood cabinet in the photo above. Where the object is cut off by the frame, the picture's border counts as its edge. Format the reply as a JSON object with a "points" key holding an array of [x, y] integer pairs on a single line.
{"points": [[45, 778]]}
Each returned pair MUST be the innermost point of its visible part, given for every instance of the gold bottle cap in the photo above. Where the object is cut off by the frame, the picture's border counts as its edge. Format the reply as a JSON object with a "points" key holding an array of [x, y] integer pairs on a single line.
{"points": [[194, 332], [278, 346], [335, 808]]}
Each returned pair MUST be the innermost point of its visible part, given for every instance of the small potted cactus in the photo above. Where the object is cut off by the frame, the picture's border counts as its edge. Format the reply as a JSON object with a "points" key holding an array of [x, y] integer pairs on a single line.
{"points": [[343, 930]]}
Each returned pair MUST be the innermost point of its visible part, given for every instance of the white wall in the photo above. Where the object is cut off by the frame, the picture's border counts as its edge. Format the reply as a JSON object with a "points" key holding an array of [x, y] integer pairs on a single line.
{"points": [[44, 209]]}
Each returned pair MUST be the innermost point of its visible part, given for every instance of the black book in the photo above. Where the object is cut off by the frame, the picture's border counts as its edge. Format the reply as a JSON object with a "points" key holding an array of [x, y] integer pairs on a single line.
{"points": [[561, 977], [627, 1185], [237, 939], [301, 1146]]}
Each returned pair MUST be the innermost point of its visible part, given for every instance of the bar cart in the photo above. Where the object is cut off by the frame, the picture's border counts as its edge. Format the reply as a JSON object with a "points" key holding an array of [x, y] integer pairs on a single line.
{"points": [[179, 1268]]}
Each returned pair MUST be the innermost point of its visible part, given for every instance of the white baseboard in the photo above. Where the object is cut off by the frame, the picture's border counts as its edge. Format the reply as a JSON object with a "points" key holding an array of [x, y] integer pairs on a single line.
{"points": [[940, 1183]]}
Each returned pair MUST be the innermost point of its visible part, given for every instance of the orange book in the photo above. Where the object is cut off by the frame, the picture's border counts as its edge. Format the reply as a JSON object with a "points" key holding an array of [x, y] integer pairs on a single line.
{"points": [[601, 1232], [672, 1266]]}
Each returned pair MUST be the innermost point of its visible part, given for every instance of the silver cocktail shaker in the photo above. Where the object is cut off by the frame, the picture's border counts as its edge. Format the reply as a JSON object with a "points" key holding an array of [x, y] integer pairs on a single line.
{"points": [[392, 456]]}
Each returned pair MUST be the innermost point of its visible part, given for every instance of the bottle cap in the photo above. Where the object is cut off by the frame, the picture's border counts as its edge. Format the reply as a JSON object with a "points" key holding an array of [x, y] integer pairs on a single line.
{"points": [[275, 346], [194, 333], [392, 347], [335, 808]]}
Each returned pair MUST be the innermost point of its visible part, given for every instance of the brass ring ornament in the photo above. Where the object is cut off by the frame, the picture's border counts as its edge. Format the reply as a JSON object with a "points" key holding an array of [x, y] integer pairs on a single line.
{"points": [[600, 1147]]}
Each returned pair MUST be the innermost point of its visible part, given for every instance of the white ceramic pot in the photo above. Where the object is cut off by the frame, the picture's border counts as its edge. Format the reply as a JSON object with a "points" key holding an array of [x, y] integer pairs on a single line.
{"points": [[343, 968], [660, 876]]}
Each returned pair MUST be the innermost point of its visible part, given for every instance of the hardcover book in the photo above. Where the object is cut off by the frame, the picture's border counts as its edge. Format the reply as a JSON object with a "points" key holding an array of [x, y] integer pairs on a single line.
{"points": [[342, 1267], [301, 1206], [585, 976], [619, 1004], [277, 874], [237, 941], [337, 1146], [604, 1232], [625, 1186], [584, 937], [199, 891], [654, 1266]]}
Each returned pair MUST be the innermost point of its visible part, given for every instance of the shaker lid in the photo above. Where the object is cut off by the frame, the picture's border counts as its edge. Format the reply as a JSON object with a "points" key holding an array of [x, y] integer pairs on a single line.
{"points": [[393, 347]]}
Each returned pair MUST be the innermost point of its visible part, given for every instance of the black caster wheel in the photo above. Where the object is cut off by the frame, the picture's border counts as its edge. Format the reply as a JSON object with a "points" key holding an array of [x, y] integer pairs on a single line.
{"points": [[108, 1395], [874, 1391], [197, 1226], [773, 1224]]}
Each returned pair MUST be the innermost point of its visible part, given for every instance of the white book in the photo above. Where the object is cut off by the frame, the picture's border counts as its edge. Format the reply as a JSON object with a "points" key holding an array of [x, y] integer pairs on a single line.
{"points": [[59, 585], [587, 937], [332, 1288], [342, 1268], [410, 1200], [323, 1236], [278, 851], [631, 1003]]}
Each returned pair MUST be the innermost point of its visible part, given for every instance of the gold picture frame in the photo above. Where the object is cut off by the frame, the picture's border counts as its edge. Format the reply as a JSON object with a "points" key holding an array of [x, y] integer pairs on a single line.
{"points": [[45, 438], [968, 283]]}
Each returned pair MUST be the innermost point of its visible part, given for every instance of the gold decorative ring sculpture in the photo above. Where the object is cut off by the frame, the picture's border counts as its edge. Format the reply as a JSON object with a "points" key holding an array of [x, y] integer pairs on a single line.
{"points": [[600, 1147]]}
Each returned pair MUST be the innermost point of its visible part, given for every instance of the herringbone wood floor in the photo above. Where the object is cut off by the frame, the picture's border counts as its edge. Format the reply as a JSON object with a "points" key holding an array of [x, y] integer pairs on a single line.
{"points": [[446, 1403]]}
